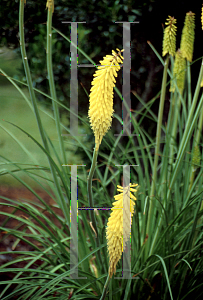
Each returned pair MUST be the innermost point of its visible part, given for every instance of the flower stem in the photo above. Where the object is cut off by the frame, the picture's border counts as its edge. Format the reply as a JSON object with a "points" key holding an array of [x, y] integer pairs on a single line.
{"points": [[105, 288], [150, 222], [57, 188], [91, 202], [89, 190], [52, 84]]}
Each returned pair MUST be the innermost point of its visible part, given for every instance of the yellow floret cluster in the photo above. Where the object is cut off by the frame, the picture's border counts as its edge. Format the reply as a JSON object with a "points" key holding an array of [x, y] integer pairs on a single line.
{"points": [[169, 41], [101, 96], [188, 36], [117, 232]]}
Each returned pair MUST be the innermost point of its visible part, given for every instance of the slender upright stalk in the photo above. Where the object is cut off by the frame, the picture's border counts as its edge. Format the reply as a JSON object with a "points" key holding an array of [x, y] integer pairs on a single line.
{"points": [[150, 221], [174, 133], [105, 288], [89, 191], [179, 75], [189, 85], [51, 80], [196, 142], [91, 203], [36, 111], [28, 74]]}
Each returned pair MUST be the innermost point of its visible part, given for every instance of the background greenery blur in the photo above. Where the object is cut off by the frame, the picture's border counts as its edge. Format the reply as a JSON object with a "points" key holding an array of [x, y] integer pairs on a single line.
{"points": [[97, 37]]}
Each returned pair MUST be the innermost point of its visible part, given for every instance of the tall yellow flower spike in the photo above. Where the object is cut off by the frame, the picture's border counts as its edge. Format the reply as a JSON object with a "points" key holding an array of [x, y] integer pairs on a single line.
{"points": [[179, 72], [188, 36], [117, 235], [169, 41], [101, 96], [202, 17]]}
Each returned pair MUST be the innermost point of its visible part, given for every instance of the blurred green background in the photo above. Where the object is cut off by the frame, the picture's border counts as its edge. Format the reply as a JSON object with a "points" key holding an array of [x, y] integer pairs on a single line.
{"points": [[14, 109]]}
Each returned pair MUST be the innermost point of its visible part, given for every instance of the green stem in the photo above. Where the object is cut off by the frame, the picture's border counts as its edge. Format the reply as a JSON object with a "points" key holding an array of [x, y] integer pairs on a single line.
{"points": [[89, 191], [154, 176], [28, 75], [173, 134], [189, 85], [54, 97], [169, 132], [56, 187], [105, 288], [91, 202], [52, 84], [196, 142]]}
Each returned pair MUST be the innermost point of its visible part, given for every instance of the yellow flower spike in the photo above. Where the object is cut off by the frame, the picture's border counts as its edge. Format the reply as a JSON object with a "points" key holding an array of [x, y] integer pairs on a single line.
{"points": [[178, 72], [188, 36], [202, 17], [169, 41], [101, 96], [116, 234], [50, 5]]}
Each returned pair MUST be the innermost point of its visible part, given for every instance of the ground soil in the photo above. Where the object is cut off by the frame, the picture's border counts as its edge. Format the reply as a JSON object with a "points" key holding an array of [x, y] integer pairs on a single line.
{"points": [[9, 242]]}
